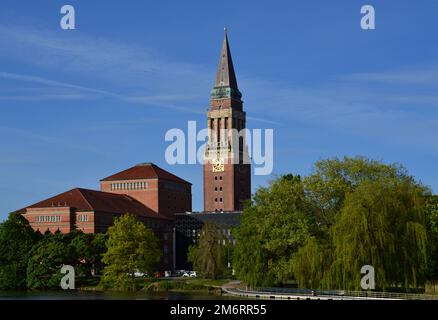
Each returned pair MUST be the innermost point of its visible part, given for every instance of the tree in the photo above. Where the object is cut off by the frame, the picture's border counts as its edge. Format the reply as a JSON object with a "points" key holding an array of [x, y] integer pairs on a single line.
{"points": [[132, 247], [369, 213], [80, 250], [432, 217], [381, 224], [16, 240], [88, 250], [322, 229], [272, 228], [46, 259], [333, 179], [209, 255]]}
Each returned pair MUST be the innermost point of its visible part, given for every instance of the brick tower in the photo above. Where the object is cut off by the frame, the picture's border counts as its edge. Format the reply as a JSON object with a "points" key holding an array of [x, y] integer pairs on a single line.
{"points": [[227, 169]]}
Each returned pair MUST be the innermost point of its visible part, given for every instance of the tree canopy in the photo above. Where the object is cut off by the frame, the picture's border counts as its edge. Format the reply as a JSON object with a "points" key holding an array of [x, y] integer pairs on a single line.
{"points": [[320, 230], [273, 227], [209, 255], [16, 240], [132, 247]]}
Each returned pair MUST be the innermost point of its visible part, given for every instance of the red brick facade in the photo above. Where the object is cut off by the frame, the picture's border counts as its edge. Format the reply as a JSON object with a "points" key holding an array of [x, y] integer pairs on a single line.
{"points": [[156, 188], [227, 171], [146, 191]]}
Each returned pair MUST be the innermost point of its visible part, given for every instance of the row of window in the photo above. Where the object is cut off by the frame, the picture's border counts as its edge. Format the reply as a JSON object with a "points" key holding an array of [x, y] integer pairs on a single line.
{"points": [[225, 232], [220, 189], [48, 219], [220, 178], [236, 124], [216, 199], [81, 218], [129, 186]]}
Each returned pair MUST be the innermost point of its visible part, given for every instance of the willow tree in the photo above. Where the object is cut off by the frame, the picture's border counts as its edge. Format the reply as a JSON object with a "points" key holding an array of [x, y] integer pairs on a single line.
{"points": [[208, 256], [333, 179], [311, 263], [432, 217], [381, 224], [368, 213]]}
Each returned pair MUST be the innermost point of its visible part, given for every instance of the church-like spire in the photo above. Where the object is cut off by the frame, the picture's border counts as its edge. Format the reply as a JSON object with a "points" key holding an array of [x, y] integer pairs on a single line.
{"points": [[226, 83]]}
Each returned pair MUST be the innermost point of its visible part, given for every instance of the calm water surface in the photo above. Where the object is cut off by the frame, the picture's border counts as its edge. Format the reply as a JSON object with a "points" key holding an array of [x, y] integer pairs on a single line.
{"points": [[88, 295]]}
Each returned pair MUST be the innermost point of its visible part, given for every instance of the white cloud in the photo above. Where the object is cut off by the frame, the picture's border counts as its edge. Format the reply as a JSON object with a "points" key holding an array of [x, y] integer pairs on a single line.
{"points": [[423, 75]]}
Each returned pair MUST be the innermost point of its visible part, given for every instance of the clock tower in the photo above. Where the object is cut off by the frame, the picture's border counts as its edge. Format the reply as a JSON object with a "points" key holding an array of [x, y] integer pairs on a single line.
{"points": [[227, 169]]}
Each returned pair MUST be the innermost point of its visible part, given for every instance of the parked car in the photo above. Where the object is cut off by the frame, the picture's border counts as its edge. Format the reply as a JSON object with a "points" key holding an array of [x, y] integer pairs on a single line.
{"points": [[178, 273], [167, 274], [193, 274], [140, 274]]}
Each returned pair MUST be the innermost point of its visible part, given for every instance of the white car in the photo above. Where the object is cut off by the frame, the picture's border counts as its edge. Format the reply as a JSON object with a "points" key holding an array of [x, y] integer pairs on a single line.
{"points": [[193, 274], [140, 274]]}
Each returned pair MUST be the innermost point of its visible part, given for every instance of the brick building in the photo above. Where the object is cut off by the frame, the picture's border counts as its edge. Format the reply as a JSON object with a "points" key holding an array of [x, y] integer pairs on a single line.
{"points": [[147, 191], [227, 172], [159, 198], [160, 190]]}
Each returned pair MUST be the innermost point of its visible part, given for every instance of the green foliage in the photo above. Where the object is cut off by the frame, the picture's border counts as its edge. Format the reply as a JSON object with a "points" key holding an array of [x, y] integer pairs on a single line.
{"points": [[88, 250], [373, 214], [333, 179], [132, 247], [432, 217], [16, 241], [209, 255], [381, 224], [82, 251], [275, 225], [46, 260], [310, 263], [321, 230]]}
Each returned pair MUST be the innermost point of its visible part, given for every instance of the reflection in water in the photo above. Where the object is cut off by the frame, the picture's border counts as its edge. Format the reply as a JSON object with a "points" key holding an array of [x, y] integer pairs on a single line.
{"points": [[107, 295]]}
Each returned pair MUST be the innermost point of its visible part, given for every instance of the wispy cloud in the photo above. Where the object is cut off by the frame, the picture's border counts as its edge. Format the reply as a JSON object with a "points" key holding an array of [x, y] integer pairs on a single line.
{"points": [[51, 140], [52, 83], [420, 75], [163, 82], [355, 104], [129, 66]]}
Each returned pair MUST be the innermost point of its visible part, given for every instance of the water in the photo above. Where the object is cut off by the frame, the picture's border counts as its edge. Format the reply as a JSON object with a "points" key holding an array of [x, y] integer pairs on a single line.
{"points": [[107, 295]]}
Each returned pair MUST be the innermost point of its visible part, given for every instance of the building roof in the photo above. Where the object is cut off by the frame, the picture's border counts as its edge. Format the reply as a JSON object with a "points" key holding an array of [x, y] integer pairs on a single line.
{"points": [[226, 83], [92, 200], [226, 77], [145, 171]]}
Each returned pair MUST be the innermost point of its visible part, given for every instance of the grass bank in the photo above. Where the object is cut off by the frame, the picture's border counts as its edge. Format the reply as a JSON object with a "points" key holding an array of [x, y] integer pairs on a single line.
{"points": [[184, 284], [165, 284]]}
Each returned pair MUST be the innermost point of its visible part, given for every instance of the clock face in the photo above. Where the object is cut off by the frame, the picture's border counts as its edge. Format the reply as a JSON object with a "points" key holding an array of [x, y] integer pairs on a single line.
{"points": [[218, 165]]}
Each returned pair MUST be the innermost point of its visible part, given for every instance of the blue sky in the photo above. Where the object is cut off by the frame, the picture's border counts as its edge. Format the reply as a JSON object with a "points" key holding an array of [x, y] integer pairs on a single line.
{"points": [[79, 105]]}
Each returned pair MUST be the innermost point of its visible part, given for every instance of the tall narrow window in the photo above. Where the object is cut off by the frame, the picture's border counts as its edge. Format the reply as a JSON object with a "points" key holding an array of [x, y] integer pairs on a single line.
{"points": [[219, 122]]}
